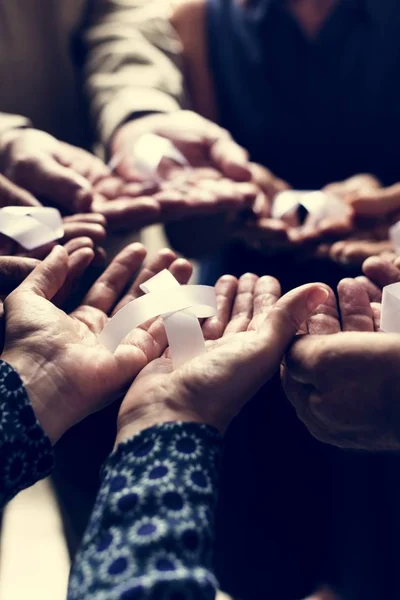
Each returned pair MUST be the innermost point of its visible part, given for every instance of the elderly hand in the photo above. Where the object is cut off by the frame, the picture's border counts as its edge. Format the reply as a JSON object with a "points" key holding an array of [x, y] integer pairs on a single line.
{"points": [[342, 377], [86, 229], [245, 344], [50, 169], [68, 373]]}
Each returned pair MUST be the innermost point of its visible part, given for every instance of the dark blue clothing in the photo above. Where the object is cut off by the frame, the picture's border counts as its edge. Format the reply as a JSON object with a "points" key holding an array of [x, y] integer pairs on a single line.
{"points": [[151, 532], [316, 111]]}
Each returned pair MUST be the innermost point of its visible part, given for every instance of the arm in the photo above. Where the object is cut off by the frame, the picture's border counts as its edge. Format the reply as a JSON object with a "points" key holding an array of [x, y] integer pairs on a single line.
{"points": [[26, 453], [151, 529], [133, 62]]}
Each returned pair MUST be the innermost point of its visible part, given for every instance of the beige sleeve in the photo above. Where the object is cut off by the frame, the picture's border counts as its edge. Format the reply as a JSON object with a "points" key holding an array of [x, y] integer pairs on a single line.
{"points": [[133, 62], [9, 121]]}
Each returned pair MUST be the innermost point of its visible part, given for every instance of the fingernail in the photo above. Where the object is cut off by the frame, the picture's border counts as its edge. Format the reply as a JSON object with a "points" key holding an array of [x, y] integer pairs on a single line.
{"points": [[316, 297]]}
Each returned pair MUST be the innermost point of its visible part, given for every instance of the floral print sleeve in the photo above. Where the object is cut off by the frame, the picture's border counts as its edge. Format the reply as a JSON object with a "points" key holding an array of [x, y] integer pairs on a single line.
{"points": [[150, 535], [26, 453]]}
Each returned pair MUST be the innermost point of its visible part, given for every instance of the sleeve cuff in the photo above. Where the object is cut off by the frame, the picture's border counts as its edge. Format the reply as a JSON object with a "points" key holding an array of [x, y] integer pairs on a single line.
{"points": [[26, 453], [125, 105]]}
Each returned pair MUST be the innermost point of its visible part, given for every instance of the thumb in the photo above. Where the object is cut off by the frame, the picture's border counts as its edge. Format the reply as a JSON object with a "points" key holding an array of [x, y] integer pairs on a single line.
{"points": [[13, 271], [231, 159], [13, 195], [49, 275], [289, 313], [58, 183], [375, 202]]}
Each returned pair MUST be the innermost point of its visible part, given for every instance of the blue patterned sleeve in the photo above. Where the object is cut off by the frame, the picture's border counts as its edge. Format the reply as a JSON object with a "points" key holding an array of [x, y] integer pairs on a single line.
{"points": [[26, 453], [151, 532]]}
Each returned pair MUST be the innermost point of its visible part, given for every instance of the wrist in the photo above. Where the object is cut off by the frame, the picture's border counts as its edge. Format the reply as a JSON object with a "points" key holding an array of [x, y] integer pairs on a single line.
{"points": [[132, 423], [43, 390]]}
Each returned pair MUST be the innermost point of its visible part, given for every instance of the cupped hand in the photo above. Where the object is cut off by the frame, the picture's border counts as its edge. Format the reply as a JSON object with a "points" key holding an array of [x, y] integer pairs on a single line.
{"points": [[202, 142], [90, 227], [342, 376], [50, 169], [245, 344], [68, 373]]}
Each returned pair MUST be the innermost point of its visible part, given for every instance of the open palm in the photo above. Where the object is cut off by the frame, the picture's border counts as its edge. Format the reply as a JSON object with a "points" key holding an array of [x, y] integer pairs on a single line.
{"points": [[245, 344], [67, 369]]}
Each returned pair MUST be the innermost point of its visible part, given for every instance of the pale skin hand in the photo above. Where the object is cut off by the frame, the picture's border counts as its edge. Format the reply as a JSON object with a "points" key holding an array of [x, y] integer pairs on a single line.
{"points": [[50, 169], [342, 378], [245, 344], [67, 372]]}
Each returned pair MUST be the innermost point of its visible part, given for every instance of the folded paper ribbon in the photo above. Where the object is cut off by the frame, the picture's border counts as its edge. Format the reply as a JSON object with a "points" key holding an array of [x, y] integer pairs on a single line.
{"points": [[31, 227], [181, 307], [390, 311], [147, 153], [318, 206]]}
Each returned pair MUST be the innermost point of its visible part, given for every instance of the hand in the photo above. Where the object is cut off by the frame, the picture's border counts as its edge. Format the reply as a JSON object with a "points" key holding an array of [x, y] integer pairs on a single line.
{"points": [[13, 195], [372, 239], [67, 372], [363, 183], [342, 377], [202, 142], [87, 229], [375, 202], [246, 341], [380, 272], [50, 169]]}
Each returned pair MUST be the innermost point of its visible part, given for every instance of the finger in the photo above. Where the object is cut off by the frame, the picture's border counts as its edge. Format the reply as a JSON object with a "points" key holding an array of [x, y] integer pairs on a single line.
{"points": [[242, 311], [162, 260], [95, 218], [355, 307], [286, 317], [78, 262], [381, 272], [128, 213], [13, 195], [13, 271], [77, 243], [325, 318], [45, 177], [376, 308], [231, 159], [92, 230], [355, 252], [267, 292], [375, 202], [182, 270], [49, 275], [374, 292], [225, 291], [106, 291]]}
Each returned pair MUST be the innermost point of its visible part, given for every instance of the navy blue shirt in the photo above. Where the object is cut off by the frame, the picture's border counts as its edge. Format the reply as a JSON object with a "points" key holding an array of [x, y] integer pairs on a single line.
{"points": [[313, 111]]}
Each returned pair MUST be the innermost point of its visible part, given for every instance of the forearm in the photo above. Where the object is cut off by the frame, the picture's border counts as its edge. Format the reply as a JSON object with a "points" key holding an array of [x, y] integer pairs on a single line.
{"points": [[133, 63], [26, 454], [151, 529]]}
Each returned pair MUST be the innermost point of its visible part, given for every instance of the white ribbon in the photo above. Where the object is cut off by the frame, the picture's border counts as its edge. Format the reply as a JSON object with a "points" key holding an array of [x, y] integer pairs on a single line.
{"points": [[390, 311], [181, 307], [147, 153], [31, 227], [319, 205]]}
